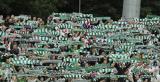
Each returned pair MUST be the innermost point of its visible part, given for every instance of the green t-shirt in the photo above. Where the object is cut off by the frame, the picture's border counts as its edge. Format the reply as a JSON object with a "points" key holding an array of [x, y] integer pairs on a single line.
{"points": [[1, 72], [22, 80]]}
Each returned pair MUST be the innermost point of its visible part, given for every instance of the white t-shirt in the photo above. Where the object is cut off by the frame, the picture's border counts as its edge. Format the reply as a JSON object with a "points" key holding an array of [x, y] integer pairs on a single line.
{"points": [[32, 80], [150, 42], [76, 38], [13, 80], [139, 80]]}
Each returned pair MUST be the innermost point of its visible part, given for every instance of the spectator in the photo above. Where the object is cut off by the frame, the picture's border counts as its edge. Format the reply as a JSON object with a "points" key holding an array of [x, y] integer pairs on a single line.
{"points": [[15, 50]]}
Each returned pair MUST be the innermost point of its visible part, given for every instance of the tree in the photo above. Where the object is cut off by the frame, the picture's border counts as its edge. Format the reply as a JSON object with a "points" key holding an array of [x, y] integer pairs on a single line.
{"points": [[43, 8]]}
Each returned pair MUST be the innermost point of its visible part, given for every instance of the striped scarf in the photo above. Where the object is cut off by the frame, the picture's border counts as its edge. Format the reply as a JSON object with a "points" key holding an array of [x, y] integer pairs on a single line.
{"points": [[73, 76], [63, 64], [71, 60]]}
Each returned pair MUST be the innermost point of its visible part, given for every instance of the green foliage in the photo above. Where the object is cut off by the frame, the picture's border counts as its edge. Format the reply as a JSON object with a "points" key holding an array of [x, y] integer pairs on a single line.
{"points": [[40, 8], [43, 8]]}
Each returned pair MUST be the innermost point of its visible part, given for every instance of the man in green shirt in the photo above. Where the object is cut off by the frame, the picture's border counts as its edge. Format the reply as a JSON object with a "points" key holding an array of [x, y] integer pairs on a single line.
{"points": [[1, 73], [22, 79]]}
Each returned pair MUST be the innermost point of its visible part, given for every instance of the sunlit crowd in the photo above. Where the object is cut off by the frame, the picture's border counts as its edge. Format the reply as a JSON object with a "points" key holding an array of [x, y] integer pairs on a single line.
{"points": [[79, 47]]}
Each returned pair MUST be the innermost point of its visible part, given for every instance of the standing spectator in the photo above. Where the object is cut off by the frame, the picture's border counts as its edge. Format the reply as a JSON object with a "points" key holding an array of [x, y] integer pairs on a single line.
{"points": [[1, 74], [121, 68], [13, 79], [15, 50]]}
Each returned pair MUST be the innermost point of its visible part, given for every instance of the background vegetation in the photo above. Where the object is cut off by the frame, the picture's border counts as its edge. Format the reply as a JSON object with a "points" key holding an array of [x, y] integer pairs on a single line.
{"points": [[43, 8]]}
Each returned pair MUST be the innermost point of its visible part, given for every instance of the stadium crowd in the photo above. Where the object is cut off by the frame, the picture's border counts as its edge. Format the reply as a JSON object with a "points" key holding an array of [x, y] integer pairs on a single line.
{"points": [[79, 47]]}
